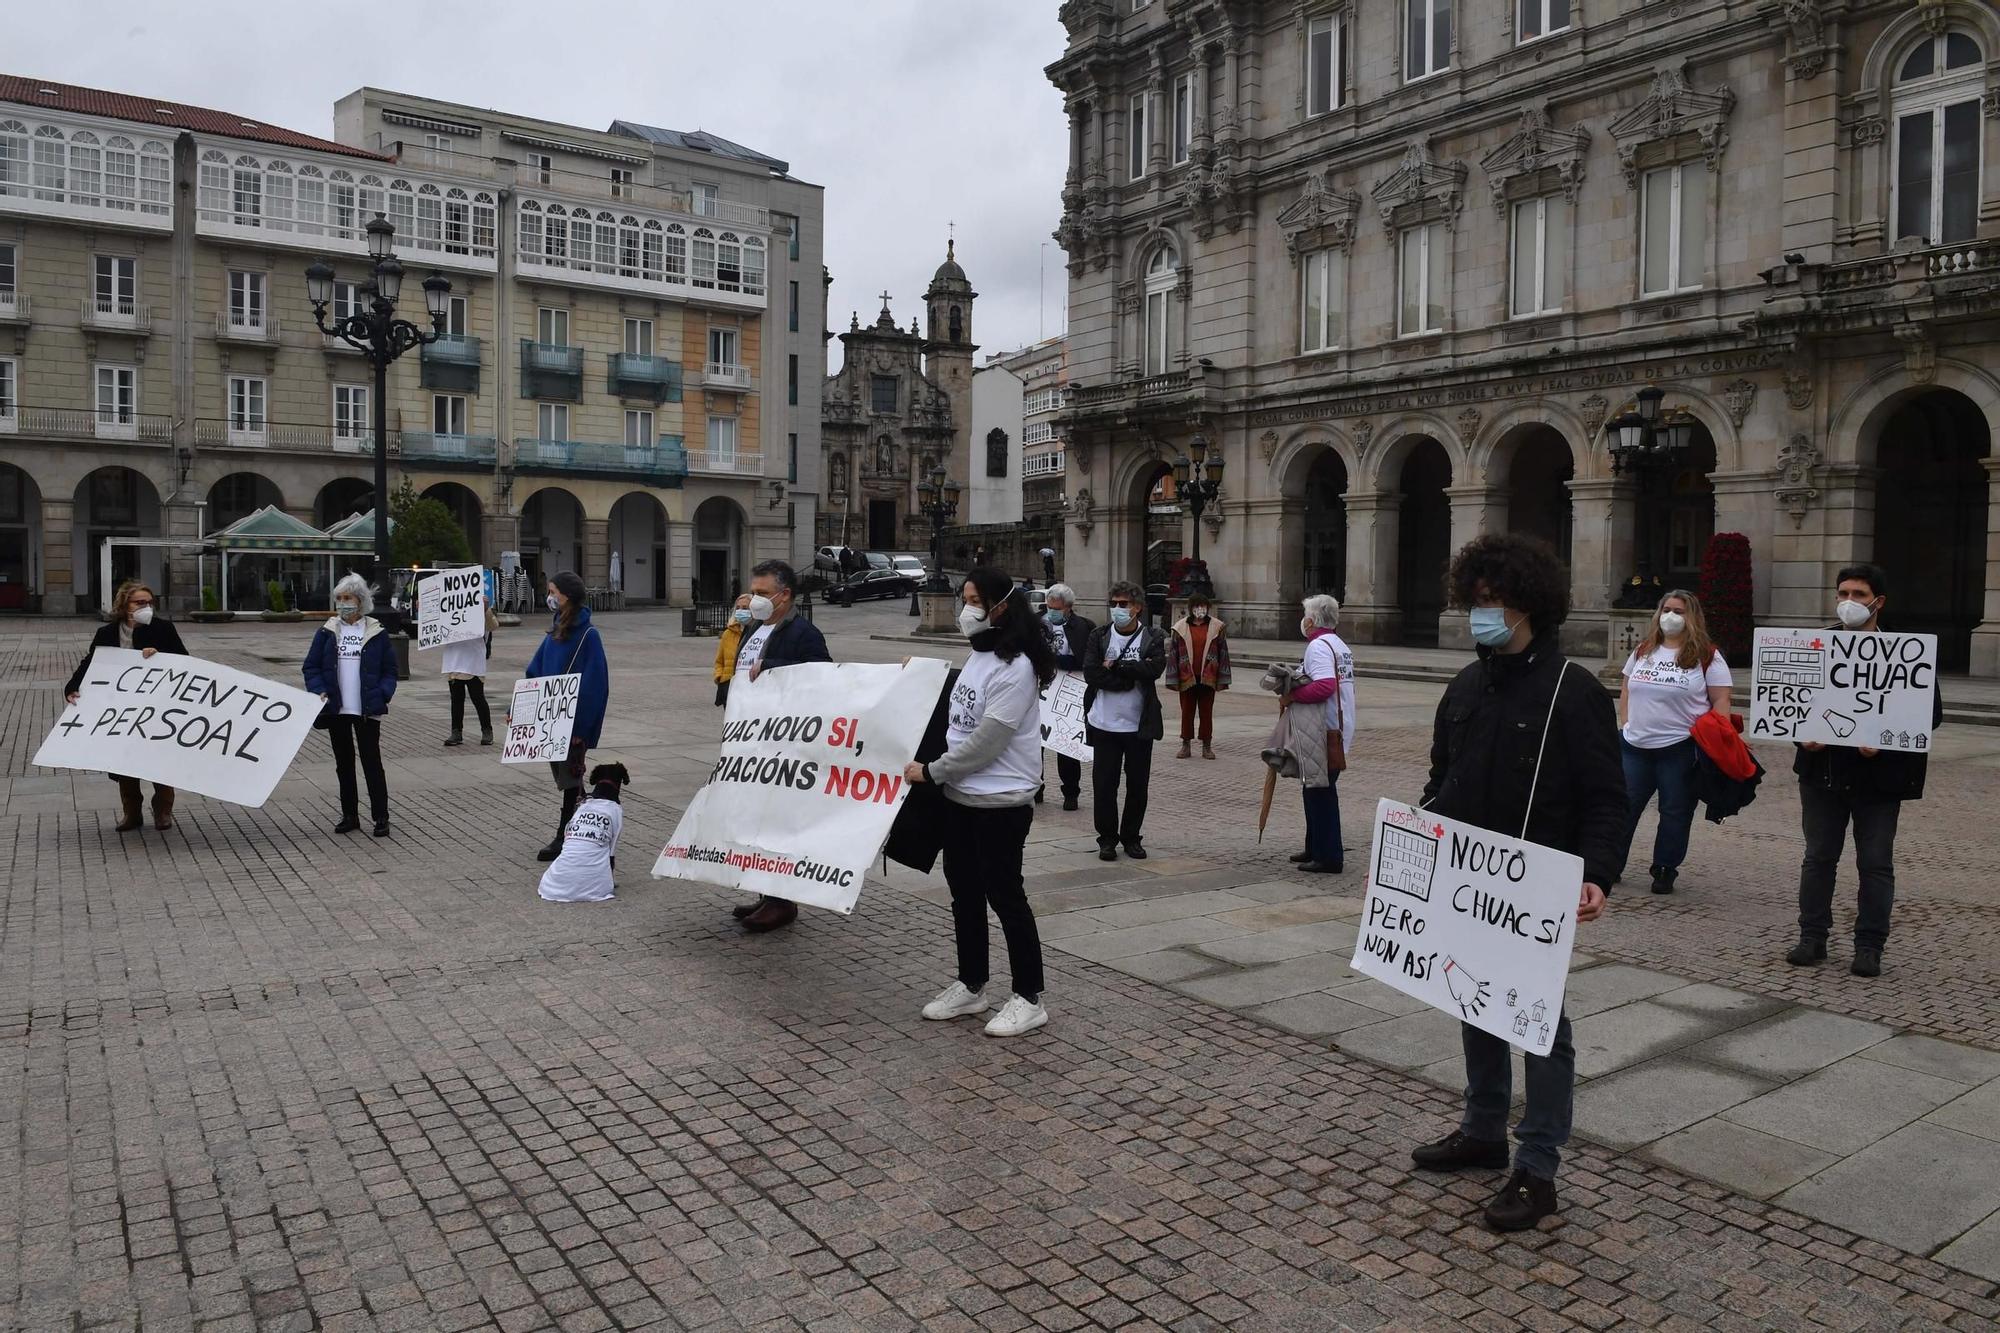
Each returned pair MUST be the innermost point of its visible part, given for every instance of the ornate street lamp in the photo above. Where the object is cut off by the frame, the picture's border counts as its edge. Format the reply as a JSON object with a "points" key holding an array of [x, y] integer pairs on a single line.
{"points": [[375, 332], [1197, 484], [937, 500], [1651, 442]]}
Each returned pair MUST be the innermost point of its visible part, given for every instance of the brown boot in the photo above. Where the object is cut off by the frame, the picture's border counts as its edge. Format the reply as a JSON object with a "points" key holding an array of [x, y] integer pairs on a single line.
{"points": [[1183, 752], [774, 913], [1207, 750], [131, 803], [163, 808]]}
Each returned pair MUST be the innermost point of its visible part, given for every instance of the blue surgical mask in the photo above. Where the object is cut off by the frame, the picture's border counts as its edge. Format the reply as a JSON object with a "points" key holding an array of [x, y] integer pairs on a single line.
{"points": [[1057, 617], [1489, 626], [1121, 616]]}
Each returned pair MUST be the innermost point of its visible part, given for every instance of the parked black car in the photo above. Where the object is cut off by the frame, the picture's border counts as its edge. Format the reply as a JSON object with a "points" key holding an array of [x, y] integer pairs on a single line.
{"points": [[870, 584]]}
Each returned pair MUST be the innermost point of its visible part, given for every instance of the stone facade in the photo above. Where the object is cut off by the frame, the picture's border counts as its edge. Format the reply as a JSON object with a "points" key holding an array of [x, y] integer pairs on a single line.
{"points": [[1404, 284]]}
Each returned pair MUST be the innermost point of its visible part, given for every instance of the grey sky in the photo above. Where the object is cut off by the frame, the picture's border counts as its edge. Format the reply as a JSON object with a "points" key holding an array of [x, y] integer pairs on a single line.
{"points": [[910, 112]]}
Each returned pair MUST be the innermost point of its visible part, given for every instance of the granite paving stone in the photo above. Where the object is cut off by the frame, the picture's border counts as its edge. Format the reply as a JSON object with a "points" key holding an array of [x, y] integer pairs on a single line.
{"points": [[1647, 1102], [1792, 1044], [1846, 1106], [1919, 1188]]}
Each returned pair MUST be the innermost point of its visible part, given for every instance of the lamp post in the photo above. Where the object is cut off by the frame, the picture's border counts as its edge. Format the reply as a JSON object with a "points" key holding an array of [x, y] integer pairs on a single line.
{"points": [[937, 500], [1649, 443], [1197, 484], [375, 332]]}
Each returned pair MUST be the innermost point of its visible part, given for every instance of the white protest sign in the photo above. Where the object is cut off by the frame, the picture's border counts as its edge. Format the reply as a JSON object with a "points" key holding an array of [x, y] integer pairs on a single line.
{"points": [[451, 607], [1843, 687], [541, 720], [182, 722], [1062, 716], [1469, 921], [809, 780]]}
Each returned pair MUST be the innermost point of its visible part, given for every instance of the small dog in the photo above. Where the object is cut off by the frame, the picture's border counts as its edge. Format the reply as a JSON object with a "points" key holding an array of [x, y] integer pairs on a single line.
{"points": [[607, 780]]}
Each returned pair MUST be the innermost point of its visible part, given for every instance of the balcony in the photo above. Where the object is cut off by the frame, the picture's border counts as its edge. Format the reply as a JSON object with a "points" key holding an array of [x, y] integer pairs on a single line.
{"points": [[434, 450], [722, 375], [551, 370], [1042, 465], [13, 308], [222, 434], [239, 326], [726, 462], [663, 463], [338, 345], [100, 316], [1176, 395], [452, 363], [10, 418], [653, 378], [641, 195], [1909, 287], [63, 423]]}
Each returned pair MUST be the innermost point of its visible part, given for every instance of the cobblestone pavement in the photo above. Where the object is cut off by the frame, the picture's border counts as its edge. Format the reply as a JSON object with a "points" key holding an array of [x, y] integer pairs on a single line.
{"points": [[263, 1078]]}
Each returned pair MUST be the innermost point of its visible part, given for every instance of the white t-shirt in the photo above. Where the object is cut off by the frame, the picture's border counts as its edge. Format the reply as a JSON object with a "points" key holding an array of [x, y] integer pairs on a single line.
{"points": [[467, 657], [1328, 656], [351, 637], [985, 677], [1665, 700], [1120, 710], [582, 874], [752, 651]]}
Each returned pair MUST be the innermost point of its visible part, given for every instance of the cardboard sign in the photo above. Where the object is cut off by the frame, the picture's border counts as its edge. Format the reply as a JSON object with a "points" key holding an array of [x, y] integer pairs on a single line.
{"points": [[809, 780], [1473, 922], [451, 607], [1062, 716], [194, 725], [1843, 687], [541, 720]]}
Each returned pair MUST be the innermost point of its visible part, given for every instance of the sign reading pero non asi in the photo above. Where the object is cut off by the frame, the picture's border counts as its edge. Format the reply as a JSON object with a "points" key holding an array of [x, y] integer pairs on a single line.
{"points": [[1062, 716], [809, 780], [541, 720], [1469, 921], [451, 607], [182, 722], [1844, 687]]}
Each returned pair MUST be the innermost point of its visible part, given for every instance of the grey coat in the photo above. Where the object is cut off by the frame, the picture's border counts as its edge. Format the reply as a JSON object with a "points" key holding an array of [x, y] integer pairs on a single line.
{"points": [[1297, 748]]}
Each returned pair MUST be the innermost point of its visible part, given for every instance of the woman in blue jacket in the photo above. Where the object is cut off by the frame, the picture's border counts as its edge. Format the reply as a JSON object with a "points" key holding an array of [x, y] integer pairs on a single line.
{"points": [[573, 647], [350, 667]]}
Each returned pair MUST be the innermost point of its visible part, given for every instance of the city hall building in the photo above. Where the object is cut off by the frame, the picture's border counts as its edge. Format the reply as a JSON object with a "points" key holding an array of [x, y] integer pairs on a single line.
{"points": [[1404, 261]]}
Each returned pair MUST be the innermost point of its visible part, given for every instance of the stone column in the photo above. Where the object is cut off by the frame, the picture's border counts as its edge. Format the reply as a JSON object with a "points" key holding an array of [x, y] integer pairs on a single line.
{"points": [[1075, 145], [1372, 613], [1802, 585], [60, 592], [1474, 509], [1602, 519], [594, 560], [1986, 638]]}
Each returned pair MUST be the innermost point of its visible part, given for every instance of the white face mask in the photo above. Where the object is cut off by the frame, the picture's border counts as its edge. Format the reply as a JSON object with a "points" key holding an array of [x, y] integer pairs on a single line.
{"points": [[1198, 617], [971, 620], [143, 616], [1855, 614], [552, 601], [1672, 623], [761, 608]]}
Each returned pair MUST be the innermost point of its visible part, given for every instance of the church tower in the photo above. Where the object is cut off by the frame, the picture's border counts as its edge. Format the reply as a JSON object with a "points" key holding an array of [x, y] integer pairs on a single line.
{"points": [[948, 349]]}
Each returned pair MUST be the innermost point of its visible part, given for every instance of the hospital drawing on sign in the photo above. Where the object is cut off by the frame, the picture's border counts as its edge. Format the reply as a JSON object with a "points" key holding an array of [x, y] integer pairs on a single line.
{"points": [[1405, 860], [1785, 665]]}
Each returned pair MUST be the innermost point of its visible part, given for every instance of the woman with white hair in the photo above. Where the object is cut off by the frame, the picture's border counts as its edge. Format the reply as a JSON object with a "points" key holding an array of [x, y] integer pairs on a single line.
{"points": [[1329, 668], [351, 668]]}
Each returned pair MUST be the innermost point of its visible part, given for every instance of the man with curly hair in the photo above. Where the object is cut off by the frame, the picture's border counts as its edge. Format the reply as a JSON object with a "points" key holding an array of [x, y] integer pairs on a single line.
{"points": [[1487, 758]]}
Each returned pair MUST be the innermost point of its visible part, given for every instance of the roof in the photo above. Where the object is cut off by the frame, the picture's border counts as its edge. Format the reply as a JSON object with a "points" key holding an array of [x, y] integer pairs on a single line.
{"points": [[698, 141], [360, 527], [52, 96], [272, 529]]}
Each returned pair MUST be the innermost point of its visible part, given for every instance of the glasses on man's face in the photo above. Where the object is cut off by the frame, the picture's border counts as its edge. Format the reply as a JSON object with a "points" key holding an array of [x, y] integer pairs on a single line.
{"points": [[1125, 602]]}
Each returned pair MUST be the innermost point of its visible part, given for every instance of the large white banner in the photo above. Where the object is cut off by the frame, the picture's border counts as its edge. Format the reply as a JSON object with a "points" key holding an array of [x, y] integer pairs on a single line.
{"points": [[809, 780], [451, 607], [1062, 716], [1843, 687], [541, 720], [1469, 921], [182, 722]]}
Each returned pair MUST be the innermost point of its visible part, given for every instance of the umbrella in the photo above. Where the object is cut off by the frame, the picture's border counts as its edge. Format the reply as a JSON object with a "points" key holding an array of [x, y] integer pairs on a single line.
{"points": [[1264, 811]]}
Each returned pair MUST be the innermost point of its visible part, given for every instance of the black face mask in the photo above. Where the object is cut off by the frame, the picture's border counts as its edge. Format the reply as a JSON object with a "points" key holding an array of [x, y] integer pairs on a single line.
{"points": [[985, 641]]}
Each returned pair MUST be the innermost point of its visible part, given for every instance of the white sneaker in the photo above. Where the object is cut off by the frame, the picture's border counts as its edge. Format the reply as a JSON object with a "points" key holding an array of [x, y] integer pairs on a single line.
{"points": [[1016, 1017], [955, 1001]]}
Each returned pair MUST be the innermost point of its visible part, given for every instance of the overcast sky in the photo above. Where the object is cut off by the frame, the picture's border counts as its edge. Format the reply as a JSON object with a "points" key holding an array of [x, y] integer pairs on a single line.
{"points": [[912, 113]]}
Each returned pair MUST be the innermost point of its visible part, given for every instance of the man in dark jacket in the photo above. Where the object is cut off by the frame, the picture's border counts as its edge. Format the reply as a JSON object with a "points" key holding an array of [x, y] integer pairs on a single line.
{"points": [[1487, 758], [782, 638], [1069, 634], [1839, 785], [1121, 715]]}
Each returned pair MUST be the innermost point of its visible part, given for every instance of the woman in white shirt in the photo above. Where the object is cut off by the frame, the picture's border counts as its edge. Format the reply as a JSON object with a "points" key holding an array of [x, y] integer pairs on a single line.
{"points": [[1329, 668], [1674, 676], [989, 773]]}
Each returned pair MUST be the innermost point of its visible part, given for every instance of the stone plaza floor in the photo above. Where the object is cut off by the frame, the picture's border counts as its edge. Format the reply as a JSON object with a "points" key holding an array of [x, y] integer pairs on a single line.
{"points": [[261, 1077]]}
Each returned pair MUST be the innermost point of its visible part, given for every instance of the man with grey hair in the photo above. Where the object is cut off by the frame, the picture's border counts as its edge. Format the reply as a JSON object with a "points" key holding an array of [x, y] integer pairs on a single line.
{"points": [[1069, 635], [1121, 715]]}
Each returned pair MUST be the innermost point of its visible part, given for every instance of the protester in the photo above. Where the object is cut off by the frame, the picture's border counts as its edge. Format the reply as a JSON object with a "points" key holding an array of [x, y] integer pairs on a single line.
{"points": [[1121, 714], [1525, 744], [1198, 669], [1069, 638], [1863, 786], [782, 638], [1329, 669], [465, 674], [582, 873], [988, 773], [134, 624], [351, 668], [572, 646], [726, 646], [1675, 675]]}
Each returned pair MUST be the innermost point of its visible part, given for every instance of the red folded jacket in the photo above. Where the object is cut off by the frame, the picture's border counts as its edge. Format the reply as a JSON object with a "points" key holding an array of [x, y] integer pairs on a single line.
{"points": [[1722, 742]]}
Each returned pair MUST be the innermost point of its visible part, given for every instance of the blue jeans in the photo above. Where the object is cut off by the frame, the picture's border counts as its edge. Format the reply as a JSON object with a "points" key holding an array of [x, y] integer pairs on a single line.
{"points": [[1323, 822], [1668, 770], [1489, 1096]]}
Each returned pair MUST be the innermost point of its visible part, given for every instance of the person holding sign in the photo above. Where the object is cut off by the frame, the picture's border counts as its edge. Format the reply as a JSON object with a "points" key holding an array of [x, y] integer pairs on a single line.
{"points": [[134, 624], [1121, 708], [989, 772], [1859, 785], [1675, 675], [465, 674], [350, 667], [1069, 636], [572, 647], [1527, 747]]}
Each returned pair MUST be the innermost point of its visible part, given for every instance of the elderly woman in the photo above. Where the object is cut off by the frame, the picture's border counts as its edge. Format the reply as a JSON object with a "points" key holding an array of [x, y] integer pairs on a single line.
{"points": [[1069, 636], [1329, 669], [351, 668], [133, 624]]}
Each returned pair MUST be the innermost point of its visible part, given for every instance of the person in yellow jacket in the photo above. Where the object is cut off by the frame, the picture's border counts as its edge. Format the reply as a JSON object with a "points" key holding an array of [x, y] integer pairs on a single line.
{"points": [[725, 650]]}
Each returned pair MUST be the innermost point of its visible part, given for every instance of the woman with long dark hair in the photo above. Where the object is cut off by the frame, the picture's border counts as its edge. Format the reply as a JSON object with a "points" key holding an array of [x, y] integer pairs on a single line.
{"points": [[572, 647], [989, 773]]}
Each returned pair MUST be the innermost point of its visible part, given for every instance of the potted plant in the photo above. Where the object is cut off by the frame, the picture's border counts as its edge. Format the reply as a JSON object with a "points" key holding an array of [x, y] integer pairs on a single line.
{"points": [[276, 608], [211, 612]]}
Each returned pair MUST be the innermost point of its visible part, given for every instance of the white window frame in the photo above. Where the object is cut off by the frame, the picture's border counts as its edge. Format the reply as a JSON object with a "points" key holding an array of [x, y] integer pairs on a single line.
{"points": [[120, 275], [622, 182], [543, 165], [1425, 14], [457, 316], [249, 301], [1139, 109], [705, 198], [1156, 323], [1183, 140], [1677, 281], [638, 428], [1429, 236], [10, 268], [552, 421], [121, 422], [722, 443], [550, 320], [351, 410], [725, 340], [1550, 287], [453, 412], [347, 300], [639, 337], [1933, 95], [1333, 29], [1539, 9], [10, 395], [1325, 270], [248, 410]]}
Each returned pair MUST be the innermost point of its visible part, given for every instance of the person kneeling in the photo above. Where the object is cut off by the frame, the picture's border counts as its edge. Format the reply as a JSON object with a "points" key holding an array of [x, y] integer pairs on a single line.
{"points": [[581, 872]]}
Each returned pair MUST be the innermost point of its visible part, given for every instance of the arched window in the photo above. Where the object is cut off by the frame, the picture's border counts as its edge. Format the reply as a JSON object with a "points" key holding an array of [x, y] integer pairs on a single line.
{"points": [[676, 252], [312, 200], [996, 451], [50, 178], [957, 324], [246, 192], [86, 169], [531, 231], [704, 257], [1163, 276], [753, 266], [343, 205], [278, 194], [155, 169], [1936, 141], [430, 217], [212, 194], [13, 157]]}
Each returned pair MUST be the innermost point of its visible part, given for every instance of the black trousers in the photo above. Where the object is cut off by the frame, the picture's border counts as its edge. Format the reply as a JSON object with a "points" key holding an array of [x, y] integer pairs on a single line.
{"points": [[477, 689], [1825, 816], [1133, 754], [982, 865], [349, 733]]}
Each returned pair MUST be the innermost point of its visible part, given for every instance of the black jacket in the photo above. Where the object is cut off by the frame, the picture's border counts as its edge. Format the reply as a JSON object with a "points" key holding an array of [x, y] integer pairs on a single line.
{"points": [[916, 839], [1070, 640], [161, 634], [1721, 794], [1483, 746], [796, 641], [1892, 775], [1138, 672]]}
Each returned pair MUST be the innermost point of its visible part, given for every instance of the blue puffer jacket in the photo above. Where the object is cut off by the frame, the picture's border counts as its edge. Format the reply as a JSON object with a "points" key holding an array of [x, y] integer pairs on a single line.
{"points": [[378, 668], [585, 649]]}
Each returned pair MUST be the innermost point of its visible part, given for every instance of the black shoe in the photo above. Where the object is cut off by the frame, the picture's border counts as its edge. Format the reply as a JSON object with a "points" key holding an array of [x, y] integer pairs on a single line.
{"points": [[1458, 1152], [1809, 950], [1069, 803], [1107, 851], [1300, 858], [1526, 1200], [381, 828], [550, 852], [1319, 868], [1867, 961], [486, 736], [742, 910], [456, 738], [1663, 879], [1136, 850], [347, 824]]}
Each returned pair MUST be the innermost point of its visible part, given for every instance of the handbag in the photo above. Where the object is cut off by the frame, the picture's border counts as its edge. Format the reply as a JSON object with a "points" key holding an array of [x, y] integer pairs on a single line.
{"points": [[1336, 737]]}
